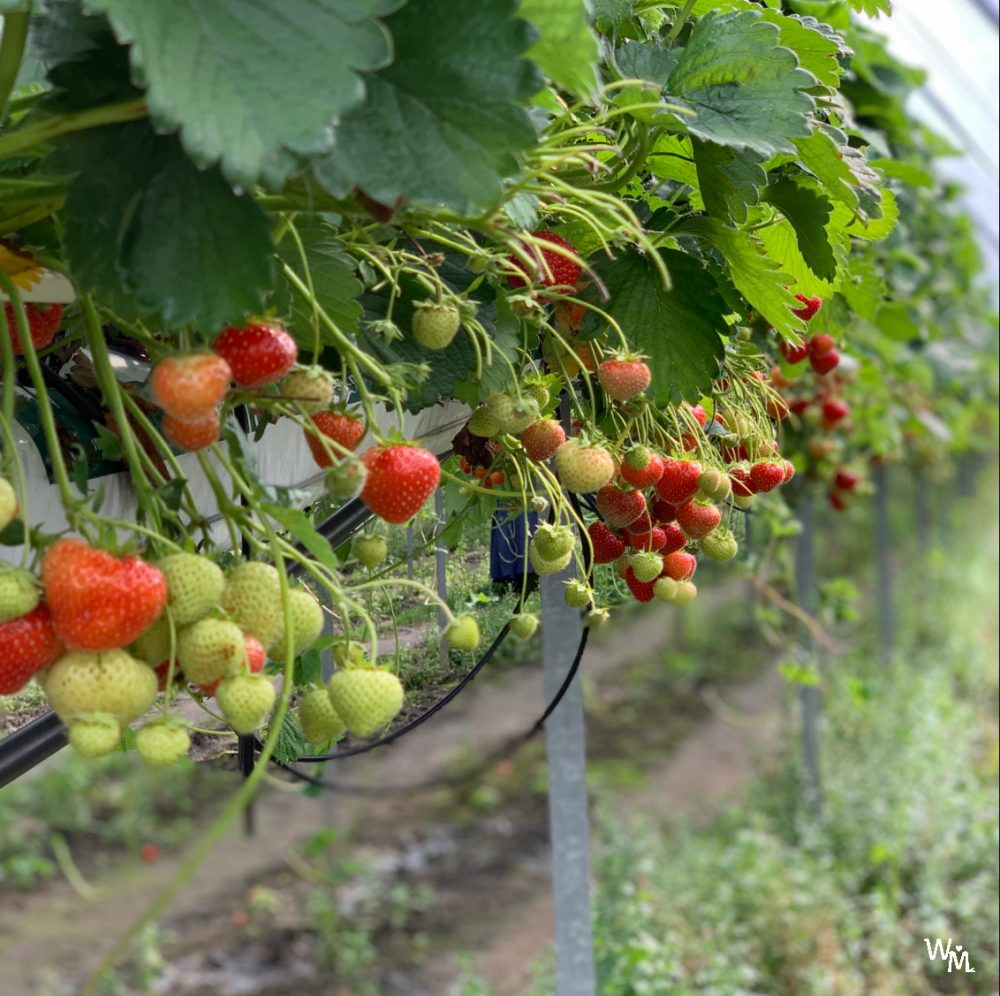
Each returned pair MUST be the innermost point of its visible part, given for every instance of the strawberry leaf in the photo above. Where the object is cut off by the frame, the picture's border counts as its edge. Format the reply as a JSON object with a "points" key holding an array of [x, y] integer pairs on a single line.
{"points": [[729, 179], [746, 90], [566, 50], [154, 237], [680, 328], [799, 199], [251, 84], [442, 124]]}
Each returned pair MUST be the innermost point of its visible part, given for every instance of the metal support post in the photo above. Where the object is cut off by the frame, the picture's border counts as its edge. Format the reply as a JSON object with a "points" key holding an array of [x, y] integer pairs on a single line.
{"points": [[809, 695]]}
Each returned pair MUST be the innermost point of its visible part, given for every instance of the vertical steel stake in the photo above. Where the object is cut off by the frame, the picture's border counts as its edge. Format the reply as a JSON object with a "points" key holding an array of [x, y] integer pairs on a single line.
{"points": [[409, 551], [441, 570], [569, 826], [883, 545], [809, 695]]}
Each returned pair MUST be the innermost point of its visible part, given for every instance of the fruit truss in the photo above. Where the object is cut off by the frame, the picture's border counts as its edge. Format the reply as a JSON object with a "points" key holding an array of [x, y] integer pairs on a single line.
{"points": [[650, 256]]}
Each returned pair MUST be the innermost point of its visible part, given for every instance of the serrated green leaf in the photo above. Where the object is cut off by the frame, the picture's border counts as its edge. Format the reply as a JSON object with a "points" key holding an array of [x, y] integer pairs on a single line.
{"points": [[680, 328], [729, 179], [13, 533], [863, 288], [291, 741], [895, 320], [814, 43], [808, 212], [747, 90], [172, 492], [871, 7], [871, 229], [308, 668], [841, 169], [909, 173], [156, 238], [566, 50], [444, 122], [781, 242], [672, 158], [756, 275], [251, 84]]}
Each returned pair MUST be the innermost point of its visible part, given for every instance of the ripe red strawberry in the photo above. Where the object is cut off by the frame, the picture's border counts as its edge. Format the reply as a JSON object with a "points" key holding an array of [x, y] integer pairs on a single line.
{"points": [[679, 481], [541, 439], [663, 511], [823, 363], [653, 539], [810, 305], [679, 565], [98, 601], [698, 520], [820, 344], [192, 435], [608, 546], [552, 269], [847, 480], [400, 479], [836, 502], [258, 353], [742, 485], [619, 508], [28, 645], [834, 410], [641, 468], [794, 353], [43, 323], [583, 467], [624, 379], [766, 476], [798, 405], [190, 387], [697, 411], [641, 590], [340, 428], [789, 470], [776, 407]]}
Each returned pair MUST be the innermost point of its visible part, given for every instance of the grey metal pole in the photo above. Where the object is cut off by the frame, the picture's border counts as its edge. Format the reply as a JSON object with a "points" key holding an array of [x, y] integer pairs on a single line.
{"points": [[569, 825], [883, 547], [441, 572], [809, 695], [409, 551]]}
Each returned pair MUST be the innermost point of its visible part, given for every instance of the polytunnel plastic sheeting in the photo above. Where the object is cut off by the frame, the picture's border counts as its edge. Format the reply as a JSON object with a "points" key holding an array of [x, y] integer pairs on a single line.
{"points": [[957, 44]]}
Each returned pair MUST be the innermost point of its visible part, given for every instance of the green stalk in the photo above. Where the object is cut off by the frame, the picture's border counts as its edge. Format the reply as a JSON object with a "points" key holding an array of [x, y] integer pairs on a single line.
{"points": [[15, 35], [65, 124]]}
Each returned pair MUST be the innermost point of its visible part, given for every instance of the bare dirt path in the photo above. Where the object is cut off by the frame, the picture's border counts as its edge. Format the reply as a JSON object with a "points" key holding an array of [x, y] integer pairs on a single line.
{"points": [[56, 931]]}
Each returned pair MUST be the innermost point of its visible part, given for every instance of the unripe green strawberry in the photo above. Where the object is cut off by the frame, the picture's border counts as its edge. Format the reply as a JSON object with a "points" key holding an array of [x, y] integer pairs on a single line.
{"points": [[743, 501], [366, 699], [18, 593], [686, 592], [152, 645], [484, 423], [210, 649], [646, 565], [665, 589], [311, 390], [513, 415], [435, 325], [194, 585], [252, 596], [306, 617], [246, 700], [8, 503], [104, 681], [371, 550], [162, 744], [346, 479], [720, 544], [715, 484], [463, 633], [597, 617], [583, 467], [543, 566], [320, 721], [578, 594], [553, 542], [95, 736], [524, 625], [347, 653], [538, 391]]}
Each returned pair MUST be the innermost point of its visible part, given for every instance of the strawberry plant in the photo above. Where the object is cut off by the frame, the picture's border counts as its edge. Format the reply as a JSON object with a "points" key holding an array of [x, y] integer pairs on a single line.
{"points": [[646, 254]]}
